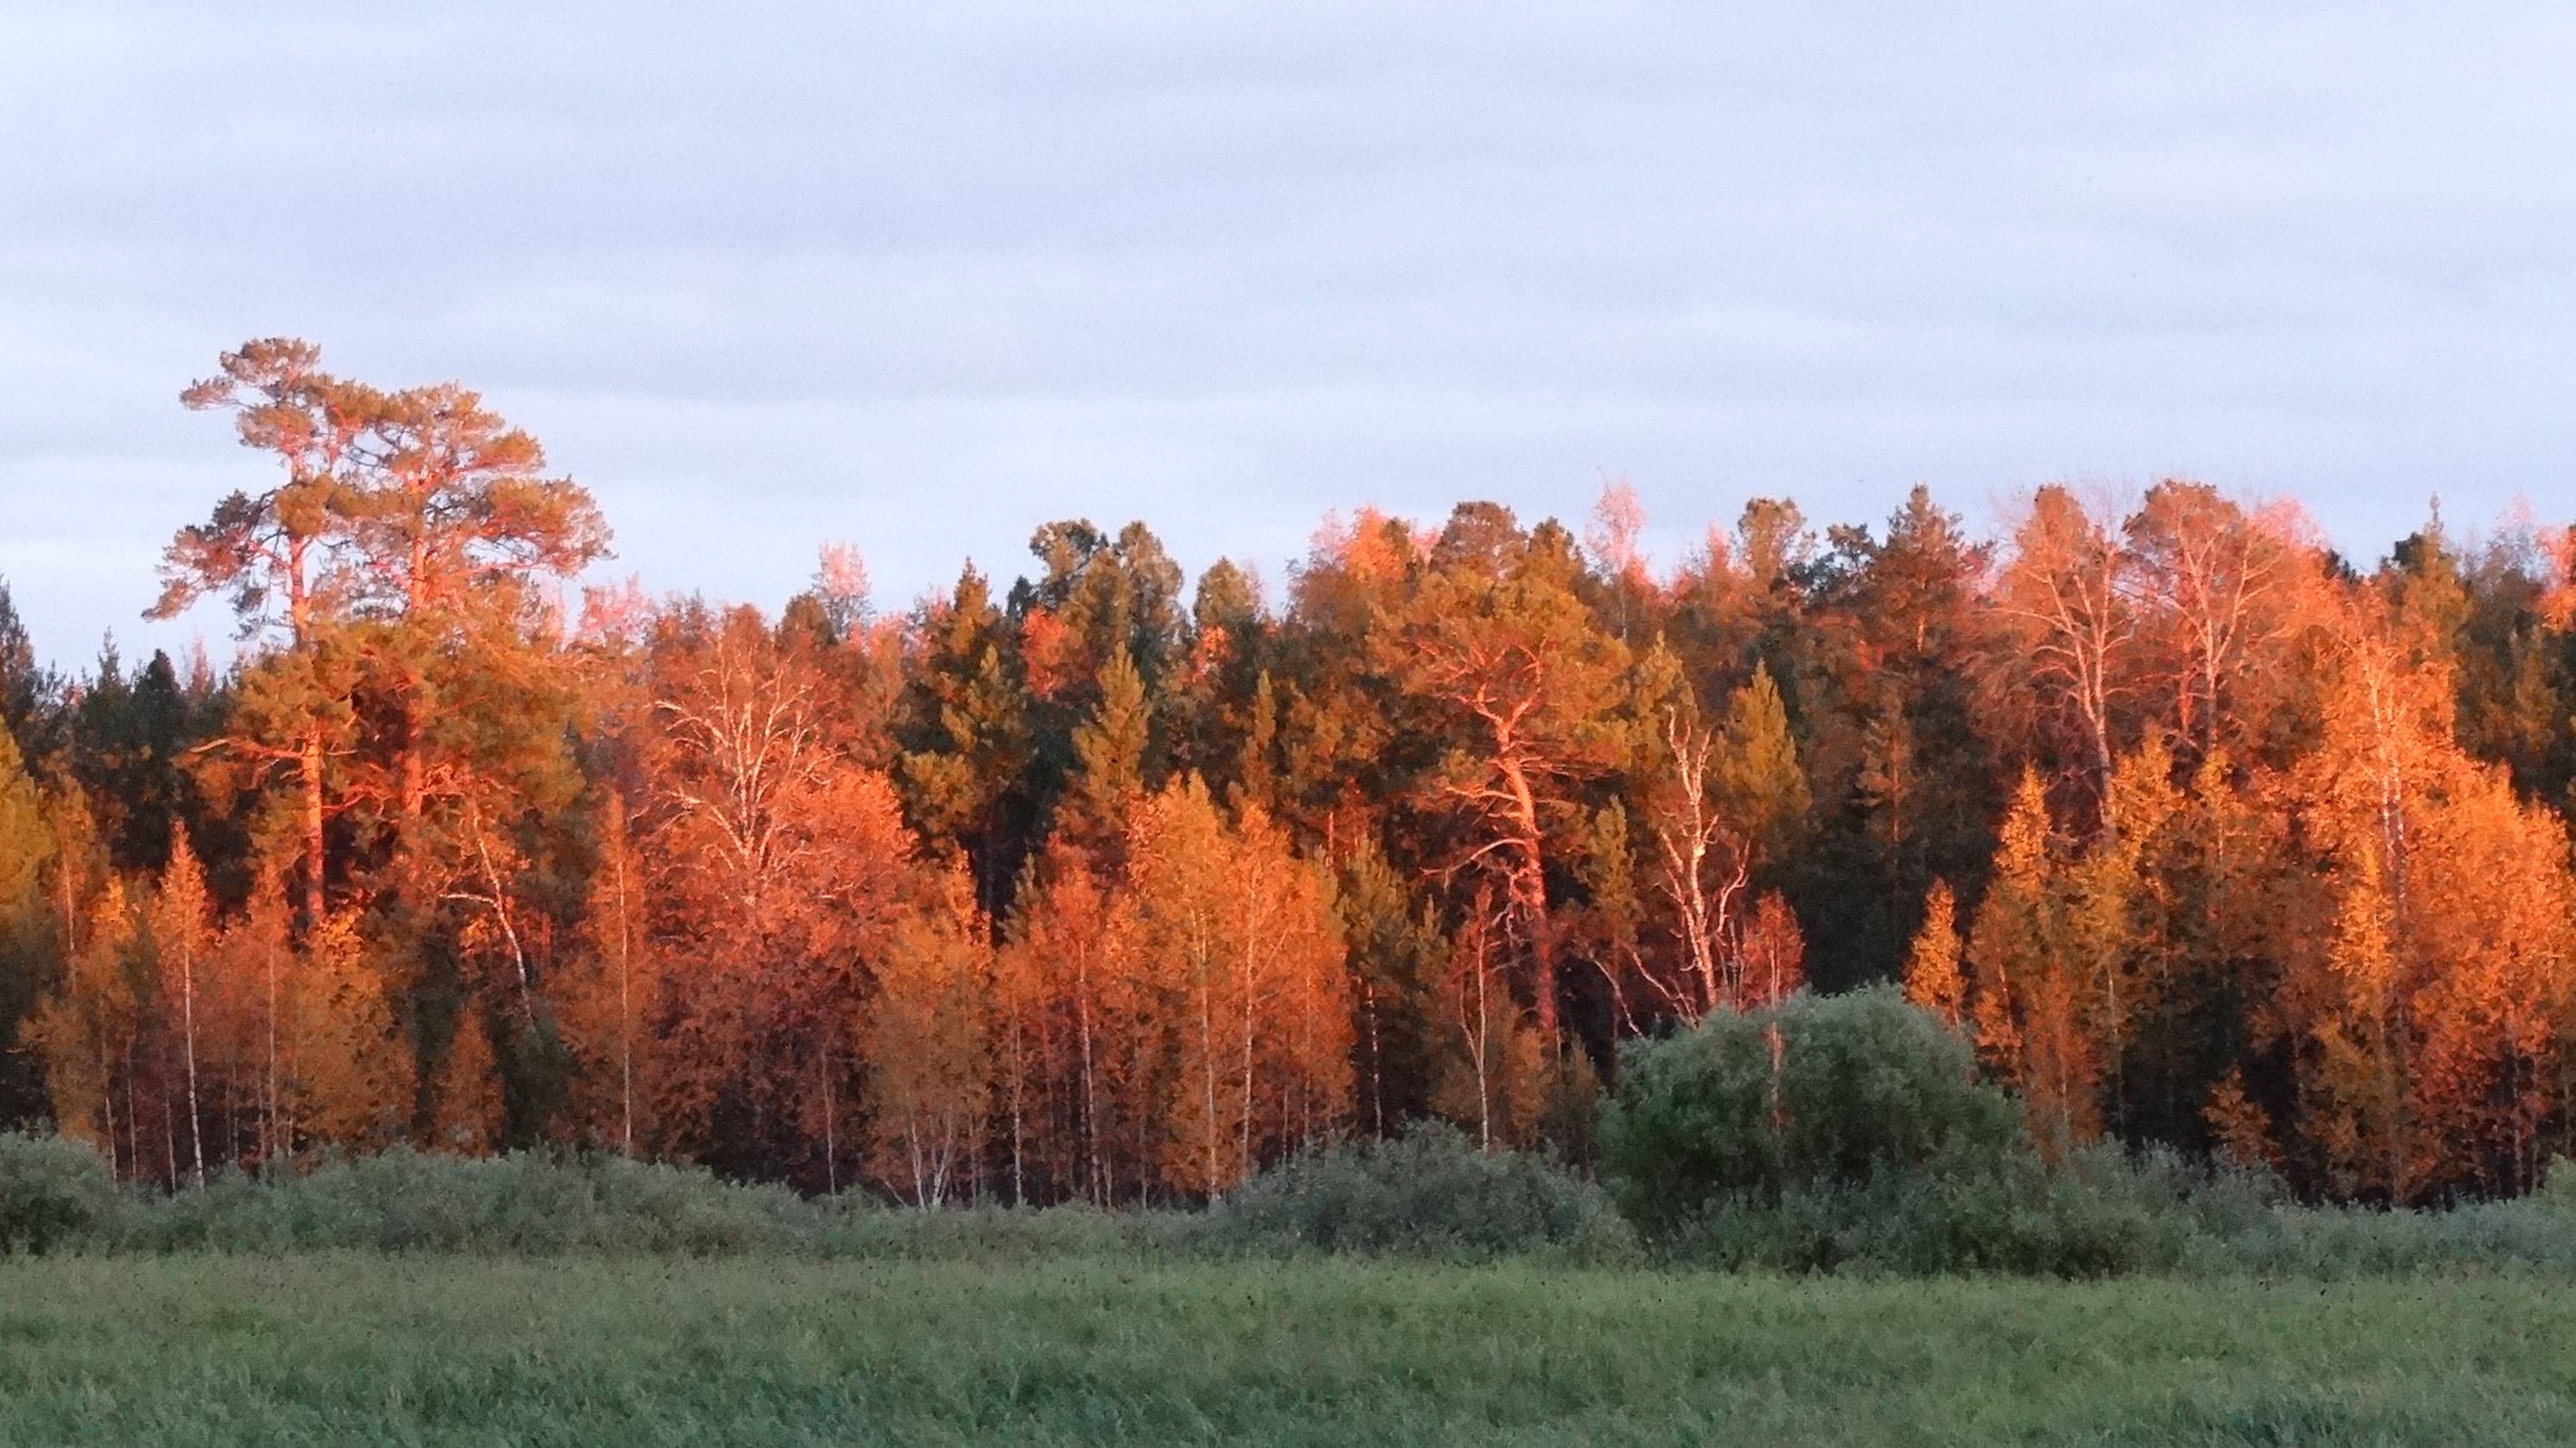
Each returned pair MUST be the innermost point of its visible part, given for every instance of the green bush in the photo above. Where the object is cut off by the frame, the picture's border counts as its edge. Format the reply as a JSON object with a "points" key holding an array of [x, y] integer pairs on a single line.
{"points": [[2525, 1238], [1866, 1144], [1973, 1205], [2558, 1187], [53, 1193], [536, 1204], [1429, 1193], [1864, 1086], [2209, 1200], [2010, 1218], [532, 1204], [993, 1233]]}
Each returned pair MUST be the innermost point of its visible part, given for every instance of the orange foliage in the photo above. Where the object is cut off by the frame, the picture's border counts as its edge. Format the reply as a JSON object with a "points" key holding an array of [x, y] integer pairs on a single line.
{"points": [[2242, 1132], [777, 866], [2268, 856], [1241, 936], [1769, 962], [1052, 654], [1933, 979], [925, 1040]]}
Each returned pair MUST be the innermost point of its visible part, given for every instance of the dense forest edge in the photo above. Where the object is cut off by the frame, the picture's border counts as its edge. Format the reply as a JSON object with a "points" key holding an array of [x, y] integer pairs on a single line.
{"points": [[2146, 886], [1861, 1144]]}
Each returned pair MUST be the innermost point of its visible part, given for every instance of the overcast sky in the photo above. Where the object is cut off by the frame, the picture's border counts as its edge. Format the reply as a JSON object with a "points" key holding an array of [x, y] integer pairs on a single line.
{"points": [[762, 275]]}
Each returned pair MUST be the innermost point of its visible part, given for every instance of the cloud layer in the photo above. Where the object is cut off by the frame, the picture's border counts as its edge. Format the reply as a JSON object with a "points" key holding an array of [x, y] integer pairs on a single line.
{"points": [[767, 278]]}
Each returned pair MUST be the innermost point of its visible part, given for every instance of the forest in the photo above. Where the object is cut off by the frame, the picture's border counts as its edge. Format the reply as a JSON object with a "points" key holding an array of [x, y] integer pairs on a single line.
{"points": [[1103, 885]]}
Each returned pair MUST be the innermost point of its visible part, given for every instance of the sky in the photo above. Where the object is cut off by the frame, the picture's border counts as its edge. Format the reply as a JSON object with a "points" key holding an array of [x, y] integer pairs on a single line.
{"points": [[762, 276]]}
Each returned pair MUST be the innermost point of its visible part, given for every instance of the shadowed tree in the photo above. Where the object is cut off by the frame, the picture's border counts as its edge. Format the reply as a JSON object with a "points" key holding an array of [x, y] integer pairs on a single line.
{"points": [[28, 939], [965, 738]]}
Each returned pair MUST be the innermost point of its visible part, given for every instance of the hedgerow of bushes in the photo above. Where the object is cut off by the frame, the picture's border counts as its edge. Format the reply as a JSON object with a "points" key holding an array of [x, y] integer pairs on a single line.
{"points": [[56, 1195], [1843, 1133]]}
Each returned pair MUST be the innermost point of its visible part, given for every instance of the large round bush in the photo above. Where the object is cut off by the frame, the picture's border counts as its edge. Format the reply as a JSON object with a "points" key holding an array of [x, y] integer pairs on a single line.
{"points": [[1818, 1091]]}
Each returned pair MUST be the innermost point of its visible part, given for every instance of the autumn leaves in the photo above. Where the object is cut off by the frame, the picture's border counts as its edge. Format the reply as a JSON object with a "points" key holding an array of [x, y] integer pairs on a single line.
{"points": [[2326, 927], [1093, 888]]}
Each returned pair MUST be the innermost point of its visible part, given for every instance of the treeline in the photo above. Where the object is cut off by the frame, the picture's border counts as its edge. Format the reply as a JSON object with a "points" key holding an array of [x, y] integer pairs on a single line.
{"points": [[1826, 1133], [1100, 887]]}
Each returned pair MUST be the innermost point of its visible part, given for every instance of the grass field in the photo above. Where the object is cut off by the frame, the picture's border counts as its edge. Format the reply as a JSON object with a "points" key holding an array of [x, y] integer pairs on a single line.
{"points": [[439, 1350]]}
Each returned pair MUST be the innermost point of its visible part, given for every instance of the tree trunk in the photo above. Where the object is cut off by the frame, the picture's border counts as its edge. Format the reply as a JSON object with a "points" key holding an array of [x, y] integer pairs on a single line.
{"points": [[1207, 1074], [1528, 886], [1019, 1076], [1093, 1169], [1377, 1081], [831, 1166], [169, 1141], [311, 769], [1243, 1152], [188, 1038], [272, 1136], [107, 1107], [133, 1119]]}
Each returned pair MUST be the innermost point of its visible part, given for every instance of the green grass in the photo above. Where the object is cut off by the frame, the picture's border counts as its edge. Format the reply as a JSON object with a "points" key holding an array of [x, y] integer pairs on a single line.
{"points": [[452, 1349]]}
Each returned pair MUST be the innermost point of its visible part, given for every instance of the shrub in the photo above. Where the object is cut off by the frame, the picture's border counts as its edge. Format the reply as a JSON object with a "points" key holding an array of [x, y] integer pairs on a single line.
{"points": [[538, 1204], [992, 1233], [2208, 1200], [52, 1192], [2558, 1187], [1973, 1207], [1429, 1193], [2523, 1238], [2011, 1218], [408, 1201], [1865, 1088]]}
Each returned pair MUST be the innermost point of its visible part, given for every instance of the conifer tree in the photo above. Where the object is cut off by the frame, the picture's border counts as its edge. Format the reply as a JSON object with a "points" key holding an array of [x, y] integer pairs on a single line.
{"points": [[1398, 957], [27, 948], [346, 1082], [2028, 995], [965, 739], [1495, 637], [1933, 979], [1109, 762], [266, 555], [2242, 1132]]}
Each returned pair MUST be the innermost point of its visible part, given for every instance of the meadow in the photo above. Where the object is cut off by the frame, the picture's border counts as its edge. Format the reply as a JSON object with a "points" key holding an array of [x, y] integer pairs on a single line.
{"points": [[365, 1348], [1885, 1263]]}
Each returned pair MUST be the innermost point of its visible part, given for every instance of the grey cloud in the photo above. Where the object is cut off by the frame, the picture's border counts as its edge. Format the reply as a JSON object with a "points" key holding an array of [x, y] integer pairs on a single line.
{"points": [[771, 274]]}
